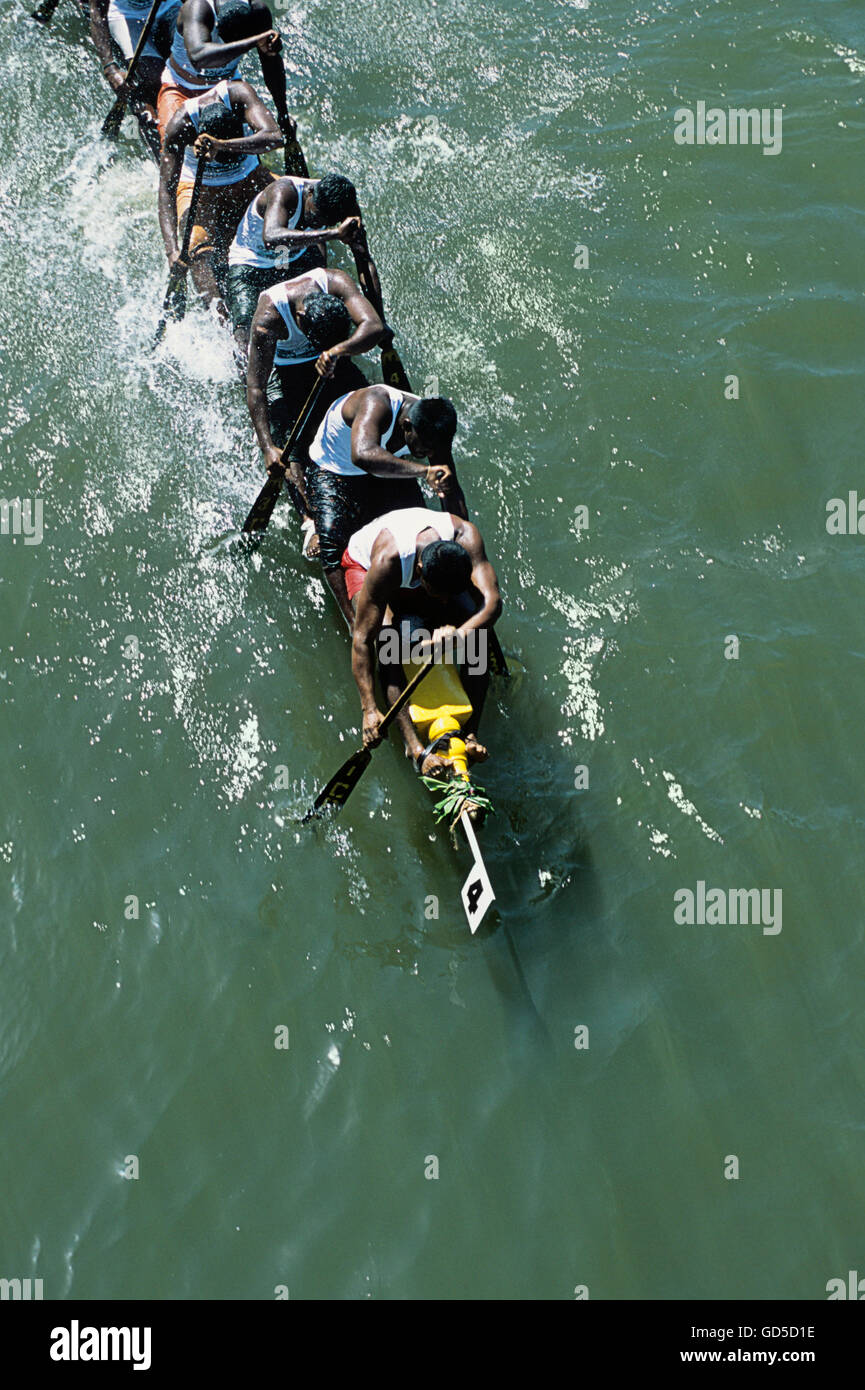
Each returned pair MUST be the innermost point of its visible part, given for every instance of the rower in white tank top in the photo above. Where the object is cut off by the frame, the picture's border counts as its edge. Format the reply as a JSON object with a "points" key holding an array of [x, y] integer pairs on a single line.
{"points": [[217, 172], [331, 448], [295, 347], [180, 69], [126, 21], [248, 247], [405, 526]]}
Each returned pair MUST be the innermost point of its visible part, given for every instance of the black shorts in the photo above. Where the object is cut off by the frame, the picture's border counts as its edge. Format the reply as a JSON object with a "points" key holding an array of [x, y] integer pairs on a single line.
{"points": [[341, 505], [287, 392], [244, 283]]}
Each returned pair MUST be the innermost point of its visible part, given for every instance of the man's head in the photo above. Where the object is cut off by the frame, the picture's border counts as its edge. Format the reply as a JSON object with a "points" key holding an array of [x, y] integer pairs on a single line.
{"points": [[217, 120], [236, 20], [335, 198], [445, 569], [325, 320], [429, 426]]}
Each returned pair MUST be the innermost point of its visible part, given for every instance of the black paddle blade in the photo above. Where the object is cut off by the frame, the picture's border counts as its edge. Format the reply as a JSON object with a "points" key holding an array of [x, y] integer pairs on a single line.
{"points": [[113, 121], [295, 159], [262, 508], [392, 369], [341, 785], [173, 305], [150, 136]]}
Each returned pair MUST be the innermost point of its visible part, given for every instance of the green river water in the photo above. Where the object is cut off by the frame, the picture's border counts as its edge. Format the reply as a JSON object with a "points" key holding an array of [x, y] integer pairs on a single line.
{"points": [[489, 141]]}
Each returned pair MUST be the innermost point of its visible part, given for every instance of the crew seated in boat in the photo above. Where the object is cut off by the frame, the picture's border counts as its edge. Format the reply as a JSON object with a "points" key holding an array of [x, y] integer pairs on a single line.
{"points": [[284, 233], [370, 452], [306, 329], [430, 565], [232, 126], [209, 39], [115, 28]]}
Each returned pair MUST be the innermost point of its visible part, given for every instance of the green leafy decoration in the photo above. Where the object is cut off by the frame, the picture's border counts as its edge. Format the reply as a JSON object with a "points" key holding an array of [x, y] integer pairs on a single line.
{"points": [[453, 795]]}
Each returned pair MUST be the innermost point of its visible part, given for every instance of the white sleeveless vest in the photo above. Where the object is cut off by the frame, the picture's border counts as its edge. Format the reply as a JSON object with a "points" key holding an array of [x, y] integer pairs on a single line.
{"points": [[181, 69], [248, 247], [405, 526], [331, 448], [217, 172], [295, 347]]}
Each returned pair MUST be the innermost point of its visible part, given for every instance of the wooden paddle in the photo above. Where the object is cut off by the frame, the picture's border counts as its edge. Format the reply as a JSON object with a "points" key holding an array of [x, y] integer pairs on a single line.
{"points": [[262, 508], [342, 784], [394, 374], [111, 124], [174, 303]]}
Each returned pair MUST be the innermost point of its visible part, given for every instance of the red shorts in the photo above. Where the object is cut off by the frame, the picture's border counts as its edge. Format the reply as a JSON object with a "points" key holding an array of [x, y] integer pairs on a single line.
{"points": [[355, 574]]}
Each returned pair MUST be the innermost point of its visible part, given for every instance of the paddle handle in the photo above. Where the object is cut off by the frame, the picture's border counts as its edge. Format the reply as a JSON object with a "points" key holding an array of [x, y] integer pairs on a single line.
{"points": [[295, 159], [305, 412], [193, 206]]}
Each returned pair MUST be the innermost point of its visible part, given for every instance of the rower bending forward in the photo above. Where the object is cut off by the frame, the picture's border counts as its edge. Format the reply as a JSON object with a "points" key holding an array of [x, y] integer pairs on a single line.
{"points": [[371, 450], [427, 564], [305, 328], [115, 28], [284, 232], [210, 38], [230, 124]]}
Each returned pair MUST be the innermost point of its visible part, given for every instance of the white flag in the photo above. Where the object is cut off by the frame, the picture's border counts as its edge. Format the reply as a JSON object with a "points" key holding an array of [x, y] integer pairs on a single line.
{"points": [[477, 891]]}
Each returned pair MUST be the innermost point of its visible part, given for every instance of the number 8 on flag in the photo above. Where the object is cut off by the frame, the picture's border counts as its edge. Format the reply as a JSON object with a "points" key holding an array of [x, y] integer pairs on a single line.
{"points": [[477, 891]]}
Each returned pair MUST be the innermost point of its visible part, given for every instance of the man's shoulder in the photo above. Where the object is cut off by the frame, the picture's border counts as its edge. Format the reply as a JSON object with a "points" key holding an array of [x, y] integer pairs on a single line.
{"points": [[339, 282], [240, 91], [384, 554], [175, 127]]}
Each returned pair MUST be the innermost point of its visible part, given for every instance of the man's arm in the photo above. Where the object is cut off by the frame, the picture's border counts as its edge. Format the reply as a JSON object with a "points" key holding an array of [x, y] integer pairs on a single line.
{"points": [[368, 326], [483, 578], [381, 581], [265, 135], [264, 333], [197, 30], [280, 204], [169, 177], [100, 36], [370, 423]]}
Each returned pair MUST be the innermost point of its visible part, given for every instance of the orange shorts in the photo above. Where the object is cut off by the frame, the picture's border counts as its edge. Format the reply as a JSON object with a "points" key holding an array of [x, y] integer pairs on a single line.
{"points": [[170, 99], [355, 574], [219, 211]]}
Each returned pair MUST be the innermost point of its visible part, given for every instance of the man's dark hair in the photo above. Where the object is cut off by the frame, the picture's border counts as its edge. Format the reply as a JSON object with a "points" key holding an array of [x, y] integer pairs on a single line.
{"points": [[326, 320], [335, 198], [234, 21], [435, 419], [446, 567], [217, 120]]}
